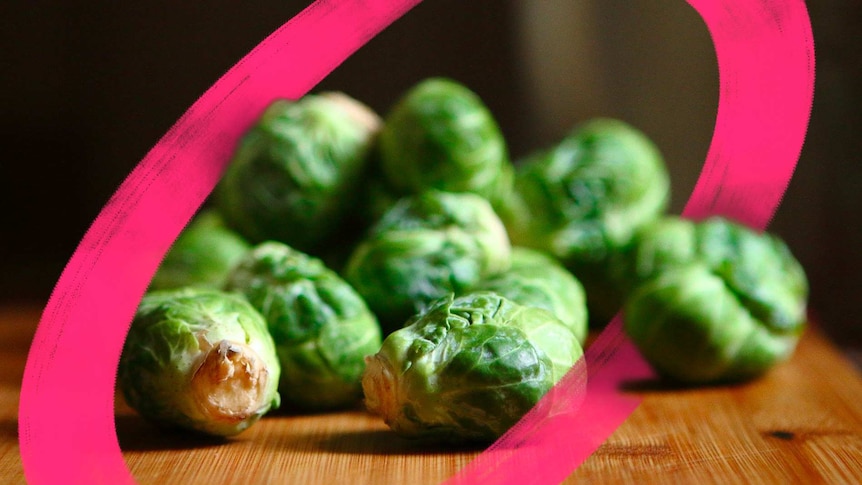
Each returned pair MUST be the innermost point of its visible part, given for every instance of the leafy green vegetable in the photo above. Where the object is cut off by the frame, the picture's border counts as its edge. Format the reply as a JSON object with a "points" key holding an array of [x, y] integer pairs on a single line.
{"points": [[322, 328], [583, 200], [468, 368], [202, 255], [296, 173], [440, 135], [199, 359], [536, 279], [714, 300], [424, 248]]}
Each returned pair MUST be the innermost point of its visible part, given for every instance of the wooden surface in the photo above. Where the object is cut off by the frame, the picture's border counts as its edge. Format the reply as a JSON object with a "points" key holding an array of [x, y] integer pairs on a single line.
{"points": [[802, 423]]}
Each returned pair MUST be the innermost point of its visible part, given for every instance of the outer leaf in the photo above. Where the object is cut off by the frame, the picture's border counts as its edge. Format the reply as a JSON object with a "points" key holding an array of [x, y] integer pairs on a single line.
{"points": [[322, 328], [714, 301], [584, 199], [202, 255], [468, 368], [441, 136], [296, 173], [424, 248], [536, 279]]}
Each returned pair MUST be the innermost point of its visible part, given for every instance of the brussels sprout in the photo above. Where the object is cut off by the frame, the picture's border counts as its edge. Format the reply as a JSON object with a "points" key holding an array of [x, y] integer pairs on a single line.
{"points": [[668, 241], [583, 200], [536, 279], [441, 136], [468, 368], [202, 255], [714, 301], [424, 248], [199, 359], [322, 328], [296, 173]]}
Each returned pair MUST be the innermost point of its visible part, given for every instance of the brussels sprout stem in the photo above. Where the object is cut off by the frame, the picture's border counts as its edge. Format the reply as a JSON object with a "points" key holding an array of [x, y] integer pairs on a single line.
{"points": [[230, 383], [378, 385]]}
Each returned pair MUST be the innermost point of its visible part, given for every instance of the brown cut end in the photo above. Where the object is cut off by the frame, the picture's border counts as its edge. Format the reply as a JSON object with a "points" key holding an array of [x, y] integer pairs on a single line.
{"points": [[230, 383], [379, 387]]}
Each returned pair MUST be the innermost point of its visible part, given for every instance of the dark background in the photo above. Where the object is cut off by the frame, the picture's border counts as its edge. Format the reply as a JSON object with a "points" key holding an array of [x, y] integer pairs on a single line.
{"points": [[88, 87]]}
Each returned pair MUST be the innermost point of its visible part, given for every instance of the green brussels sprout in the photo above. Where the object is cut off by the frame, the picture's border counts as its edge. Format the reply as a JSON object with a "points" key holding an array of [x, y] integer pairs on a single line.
{"points": [[296, 173], [713, 300], [668, 241], [199, 359], [536, 279], [584, 199], [423, 248], [202, 255], [468, 368], [441, 136], [321, 327]]}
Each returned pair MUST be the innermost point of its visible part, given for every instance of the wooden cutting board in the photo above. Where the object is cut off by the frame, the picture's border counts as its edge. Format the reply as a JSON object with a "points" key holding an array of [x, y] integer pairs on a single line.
{"points": [[801, 423]]}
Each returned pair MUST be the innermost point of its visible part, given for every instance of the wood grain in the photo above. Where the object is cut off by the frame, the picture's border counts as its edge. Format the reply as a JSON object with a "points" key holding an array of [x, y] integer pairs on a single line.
{"points": [[801, 423]]}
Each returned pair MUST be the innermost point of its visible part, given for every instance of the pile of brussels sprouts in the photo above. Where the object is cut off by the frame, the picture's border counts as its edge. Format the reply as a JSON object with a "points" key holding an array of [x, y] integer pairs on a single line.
{"points": [[409, 264]]}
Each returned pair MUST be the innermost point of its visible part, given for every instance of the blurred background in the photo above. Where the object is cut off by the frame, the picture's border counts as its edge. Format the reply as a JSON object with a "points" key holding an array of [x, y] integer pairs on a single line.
{"points": [[89, 87]]}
